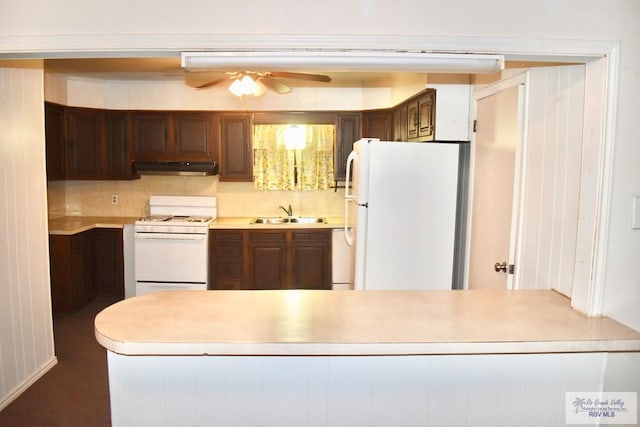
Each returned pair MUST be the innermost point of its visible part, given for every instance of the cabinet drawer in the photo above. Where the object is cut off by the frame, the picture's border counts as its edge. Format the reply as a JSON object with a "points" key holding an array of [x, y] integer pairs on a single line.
{"points": [[307, 235], [227, 235], [228, 250], [268, 236], [229, 269]]}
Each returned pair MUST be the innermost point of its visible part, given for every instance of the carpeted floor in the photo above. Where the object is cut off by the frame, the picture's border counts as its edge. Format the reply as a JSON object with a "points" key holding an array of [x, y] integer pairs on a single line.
{"points": [[76, 391]]}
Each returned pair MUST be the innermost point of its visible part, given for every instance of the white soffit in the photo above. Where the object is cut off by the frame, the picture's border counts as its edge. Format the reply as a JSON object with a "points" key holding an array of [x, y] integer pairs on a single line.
{"points": [[347, 60]]}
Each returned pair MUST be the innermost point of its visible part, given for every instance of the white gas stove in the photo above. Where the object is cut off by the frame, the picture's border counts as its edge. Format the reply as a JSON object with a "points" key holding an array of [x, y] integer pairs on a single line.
{"points": [[171, 244]]}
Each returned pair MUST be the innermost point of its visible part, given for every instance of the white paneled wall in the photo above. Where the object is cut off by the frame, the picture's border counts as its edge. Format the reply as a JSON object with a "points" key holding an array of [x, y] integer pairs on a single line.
{"points": [[454, 391], [552, 177], [26, 332]]}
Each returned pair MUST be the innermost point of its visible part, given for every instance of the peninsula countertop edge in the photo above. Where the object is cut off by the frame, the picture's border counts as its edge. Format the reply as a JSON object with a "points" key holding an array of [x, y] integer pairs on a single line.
{"points": [[343, 323]]}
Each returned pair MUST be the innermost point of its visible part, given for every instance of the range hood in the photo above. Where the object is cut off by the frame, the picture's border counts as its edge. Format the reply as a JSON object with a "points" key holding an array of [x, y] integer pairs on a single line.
{"points": [[176, 168]]}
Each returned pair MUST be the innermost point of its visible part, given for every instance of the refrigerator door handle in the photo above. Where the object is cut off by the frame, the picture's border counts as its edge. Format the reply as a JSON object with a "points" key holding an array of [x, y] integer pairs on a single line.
{"points": [[350, 159], [347, 234], [348, 197]]}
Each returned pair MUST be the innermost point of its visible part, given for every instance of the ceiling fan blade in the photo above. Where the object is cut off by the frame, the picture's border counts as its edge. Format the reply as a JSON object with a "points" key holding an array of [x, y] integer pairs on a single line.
{"points": [[209, 83], [275, 85], [300, 76]]}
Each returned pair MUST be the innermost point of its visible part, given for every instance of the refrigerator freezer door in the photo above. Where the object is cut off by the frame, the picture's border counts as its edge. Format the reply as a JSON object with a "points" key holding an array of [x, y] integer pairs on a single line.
{"points": [[411, 219]]}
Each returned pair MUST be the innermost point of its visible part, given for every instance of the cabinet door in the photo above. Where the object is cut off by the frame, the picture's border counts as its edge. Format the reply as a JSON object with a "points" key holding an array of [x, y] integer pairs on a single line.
{"points": [[118, 145], [235, 148], [347, 132], [151, 136], [54, 137], [413, 120], [226, 259], [71, 268], [400, 121], [427, 117], [378, 125], [84, 143], [108, 261], [311, 259], [83, 264], [268, 260], [193, 136]]}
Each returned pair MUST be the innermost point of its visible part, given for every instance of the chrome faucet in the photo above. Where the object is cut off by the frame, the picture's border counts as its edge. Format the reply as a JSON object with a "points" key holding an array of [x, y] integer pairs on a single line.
{"points": [[288, 211]]}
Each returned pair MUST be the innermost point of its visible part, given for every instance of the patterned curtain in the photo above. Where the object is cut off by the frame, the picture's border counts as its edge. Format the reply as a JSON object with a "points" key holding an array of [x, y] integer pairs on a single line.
{"points": [[275, 167]]}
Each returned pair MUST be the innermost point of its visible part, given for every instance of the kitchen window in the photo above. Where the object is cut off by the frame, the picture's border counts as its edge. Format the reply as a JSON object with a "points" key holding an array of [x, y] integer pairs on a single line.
{"points": [[293, 157]]}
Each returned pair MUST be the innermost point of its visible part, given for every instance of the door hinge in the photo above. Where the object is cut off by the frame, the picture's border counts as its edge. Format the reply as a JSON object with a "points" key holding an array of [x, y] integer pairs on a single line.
{"points": [[475, 126]]}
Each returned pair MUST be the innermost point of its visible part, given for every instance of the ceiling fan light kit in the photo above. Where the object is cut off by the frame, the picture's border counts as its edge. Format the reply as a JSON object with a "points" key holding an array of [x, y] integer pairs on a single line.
{"points": [[246, 85]]}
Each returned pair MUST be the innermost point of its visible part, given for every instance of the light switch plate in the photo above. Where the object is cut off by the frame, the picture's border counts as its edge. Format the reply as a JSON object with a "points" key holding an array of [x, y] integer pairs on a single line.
{"points": [[635, 222]]}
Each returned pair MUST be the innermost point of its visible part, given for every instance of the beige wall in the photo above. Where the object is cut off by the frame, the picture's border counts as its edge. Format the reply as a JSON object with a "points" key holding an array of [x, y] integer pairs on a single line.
{"points": [[93, 198]]}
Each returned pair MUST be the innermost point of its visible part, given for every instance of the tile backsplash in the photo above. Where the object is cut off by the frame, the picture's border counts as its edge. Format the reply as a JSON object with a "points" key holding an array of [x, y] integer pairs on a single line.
{"points": [[94, 198]]}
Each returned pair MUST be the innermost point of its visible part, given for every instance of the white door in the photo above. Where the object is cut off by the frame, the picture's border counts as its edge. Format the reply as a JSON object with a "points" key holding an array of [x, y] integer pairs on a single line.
{"points": [[498, 138]]}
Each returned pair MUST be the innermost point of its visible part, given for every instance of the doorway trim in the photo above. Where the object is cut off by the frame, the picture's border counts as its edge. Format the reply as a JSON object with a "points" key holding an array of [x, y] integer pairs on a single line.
{"points": [[601, 83]]}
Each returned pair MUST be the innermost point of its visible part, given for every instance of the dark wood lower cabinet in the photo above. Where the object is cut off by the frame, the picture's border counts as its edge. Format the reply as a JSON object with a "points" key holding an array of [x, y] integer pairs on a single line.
{"points": [[108, 261], [270, 259], [226, 259], [71, 271], [311, 259], [84, 264]]}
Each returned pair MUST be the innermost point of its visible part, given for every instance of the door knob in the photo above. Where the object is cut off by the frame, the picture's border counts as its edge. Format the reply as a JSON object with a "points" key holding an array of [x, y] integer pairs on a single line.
{"points": [[504, 267], [500, 267]]}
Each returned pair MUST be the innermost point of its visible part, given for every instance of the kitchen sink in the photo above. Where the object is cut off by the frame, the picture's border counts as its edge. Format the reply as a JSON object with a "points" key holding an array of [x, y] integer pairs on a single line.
{"points": [[289, 220]]}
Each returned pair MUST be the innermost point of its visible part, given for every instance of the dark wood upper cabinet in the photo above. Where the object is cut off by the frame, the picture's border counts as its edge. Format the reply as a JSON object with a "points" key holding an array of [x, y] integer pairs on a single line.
{"points": [[88, 144], [118, 145], [84, 143], [347, 132], [400, 123], [421, 116], [193, 135], [236, 160], [427, 116], [378, 124], [151, 135], [55, 141], [174, 136]]}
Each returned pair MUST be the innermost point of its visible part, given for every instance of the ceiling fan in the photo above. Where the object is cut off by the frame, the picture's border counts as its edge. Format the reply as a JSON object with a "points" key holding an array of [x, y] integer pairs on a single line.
{"points": [[255, 82]]}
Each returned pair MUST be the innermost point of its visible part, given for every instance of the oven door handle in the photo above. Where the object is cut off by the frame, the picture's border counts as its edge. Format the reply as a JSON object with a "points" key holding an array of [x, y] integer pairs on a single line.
{"points": [[169, 236]]}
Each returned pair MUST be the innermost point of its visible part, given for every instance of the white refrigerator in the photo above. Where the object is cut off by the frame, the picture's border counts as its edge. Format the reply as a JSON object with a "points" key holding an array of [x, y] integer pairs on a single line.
{"points": [[405, 214]]}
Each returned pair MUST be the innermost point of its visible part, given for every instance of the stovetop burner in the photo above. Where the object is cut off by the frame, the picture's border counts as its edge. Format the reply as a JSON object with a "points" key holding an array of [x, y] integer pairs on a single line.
{"points": [[176, 219], [155, 218]]}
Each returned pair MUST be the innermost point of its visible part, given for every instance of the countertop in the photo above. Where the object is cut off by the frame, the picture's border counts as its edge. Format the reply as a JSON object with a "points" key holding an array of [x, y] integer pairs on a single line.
{"points": [[68, 225], [311, 322]]}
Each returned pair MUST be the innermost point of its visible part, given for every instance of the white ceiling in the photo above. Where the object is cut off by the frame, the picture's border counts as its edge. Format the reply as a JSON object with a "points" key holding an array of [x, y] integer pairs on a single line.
{"points": [[170, 69]]}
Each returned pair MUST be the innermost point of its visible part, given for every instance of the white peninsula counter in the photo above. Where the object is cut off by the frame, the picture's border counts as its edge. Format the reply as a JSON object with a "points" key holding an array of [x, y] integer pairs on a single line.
{"points": [[357, 358]]}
